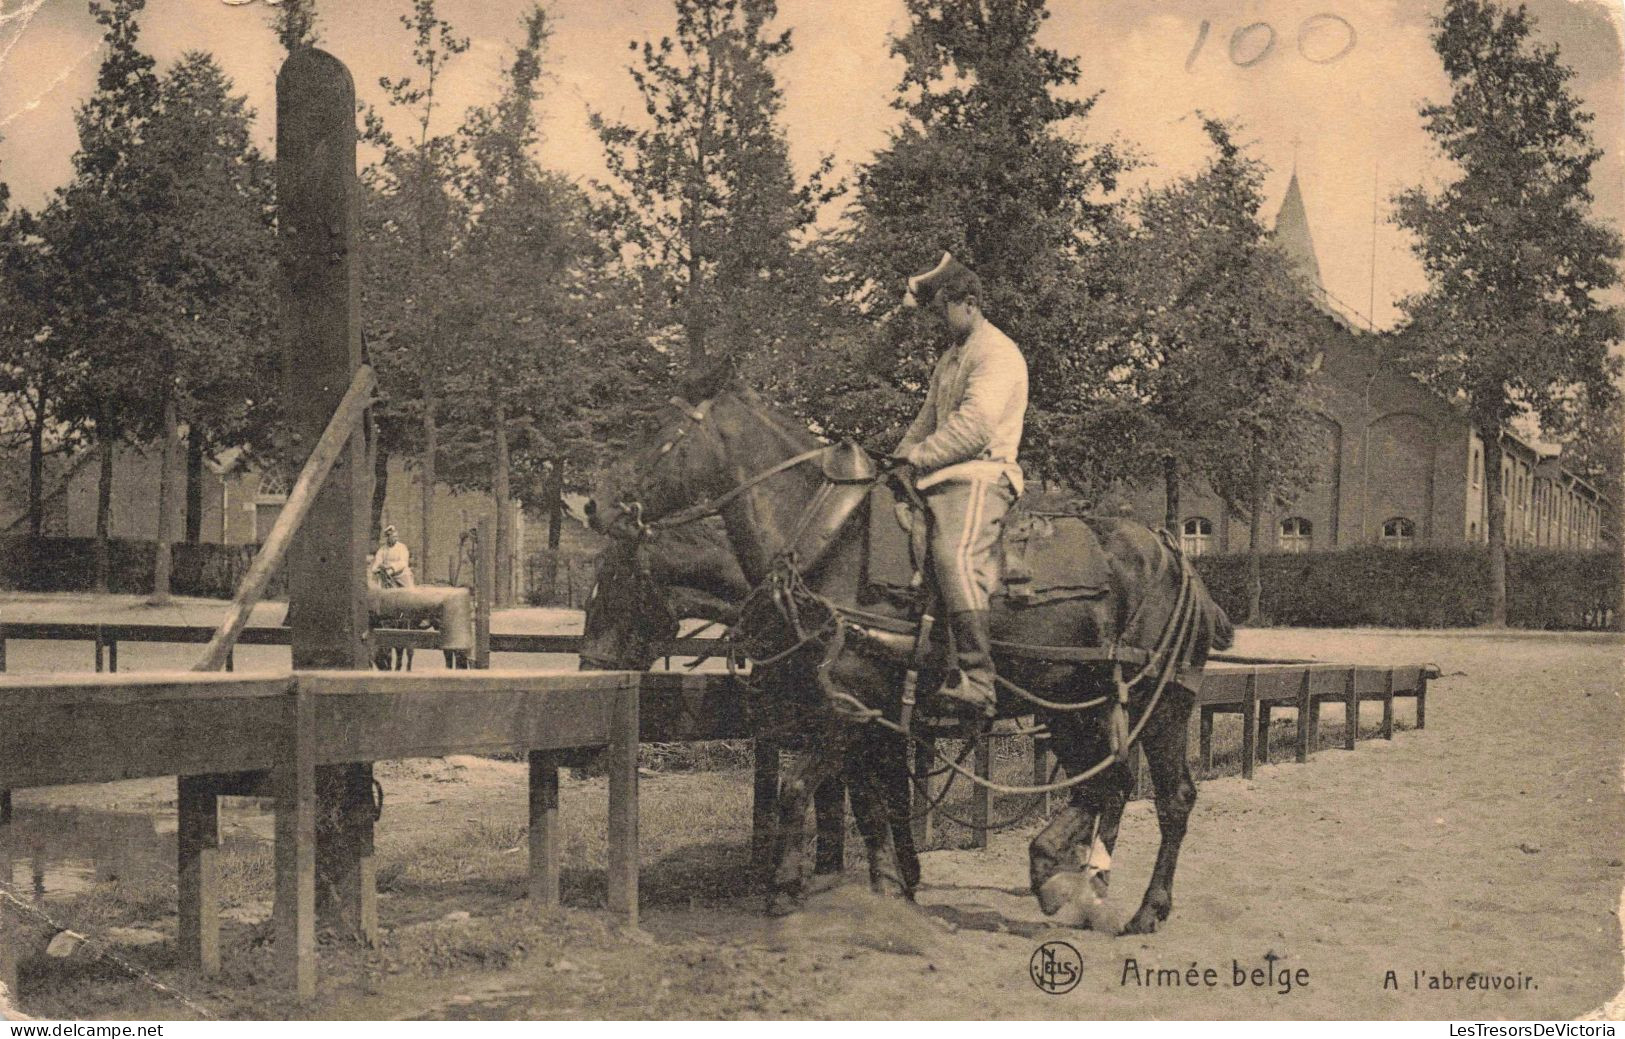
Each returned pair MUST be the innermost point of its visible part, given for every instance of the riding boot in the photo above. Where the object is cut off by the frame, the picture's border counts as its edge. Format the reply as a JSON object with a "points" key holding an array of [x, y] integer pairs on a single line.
{"points": [[972, 684]]}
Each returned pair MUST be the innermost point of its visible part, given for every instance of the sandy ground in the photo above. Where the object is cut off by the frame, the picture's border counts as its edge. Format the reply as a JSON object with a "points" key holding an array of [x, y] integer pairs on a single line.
{"points": [[1489, 842]]}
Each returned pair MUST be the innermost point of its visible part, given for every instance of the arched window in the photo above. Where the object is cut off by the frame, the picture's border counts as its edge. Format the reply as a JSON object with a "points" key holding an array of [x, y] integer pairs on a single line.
{"points": [[1196, 536], [1398, 532], [1297, 534]]}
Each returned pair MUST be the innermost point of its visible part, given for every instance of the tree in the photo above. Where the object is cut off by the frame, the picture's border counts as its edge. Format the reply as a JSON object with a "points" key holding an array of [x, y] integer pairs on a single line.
{"points": [[1509, 324], [95, 227], [294, 22], [705, 195], [412, 223], [988, 163], [1213, 334]]}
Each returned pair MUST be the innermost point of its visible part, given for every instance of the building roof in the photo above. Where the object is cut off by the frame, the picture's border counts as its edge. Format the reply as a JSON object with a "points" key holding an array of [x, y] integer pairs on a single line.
{"points": [[1292, 234]]}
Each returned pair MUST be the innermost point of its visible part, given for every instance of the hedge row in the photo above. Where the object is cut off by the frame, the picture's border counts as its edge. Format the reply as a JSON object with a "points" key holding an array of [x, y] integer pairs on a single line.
{"points": [[1422, 587], [69, 565]]}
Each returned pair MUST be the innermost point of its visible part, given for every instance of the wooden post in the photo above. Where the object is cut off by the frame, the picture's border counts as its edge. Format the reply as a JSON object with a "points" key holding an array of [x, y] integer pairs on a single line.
{"points": [[1388, 708], [764, 802], [981, 797], [197, 856], [294, 783], [1314, 723], [623, 806], [1306, 707], [321, 327], [1421, 696], [1204, 738], [10, 927], [485, 578], [1351, 710], [1249, 726], [98, 649], [923, 791], [1264, 731], [545, 835], [2, 649], [112, 655]]}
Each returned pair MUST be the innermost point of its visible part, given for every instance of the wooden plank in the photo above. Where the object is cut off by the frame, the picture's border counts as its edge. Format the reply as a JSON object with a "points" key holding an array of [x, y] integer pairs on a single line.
{"points": [[294, 910], [1249, 726], [623, 807], [197, 857], [84, 730], [1224, 686], [436, 722], [545, 836]]}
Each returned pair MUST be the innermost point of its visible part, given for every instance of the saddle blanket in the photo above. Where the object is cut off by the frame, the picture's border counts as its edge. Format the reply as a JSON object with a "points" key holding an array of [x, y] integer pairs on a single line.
{"points": [[1044, 557]]}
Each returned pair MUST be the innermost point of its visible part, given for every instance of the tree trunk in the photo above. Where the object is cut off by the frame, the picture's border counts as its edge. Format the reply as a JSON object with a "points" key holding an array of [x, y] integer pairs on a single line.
{"points": [[161, 561], [104, 510], [431, 446], [555, 504], [1170, 490], [194, 485], [36, 475], [380, 490], [1497, 524], [1255, 534], [502, 494]]}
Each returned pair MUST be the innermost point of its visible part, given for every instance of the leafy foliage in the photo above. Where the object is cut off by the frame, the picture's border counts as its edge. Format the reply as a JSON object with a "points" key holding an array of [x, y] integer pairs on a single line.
{"points": [[1510, 323]]}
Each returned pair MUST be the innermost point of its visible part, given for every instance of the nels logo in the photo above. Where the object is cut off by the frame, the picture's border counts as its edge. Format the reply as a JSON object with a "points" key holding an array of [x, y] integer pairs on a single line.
{"points": [[1056, 968]]}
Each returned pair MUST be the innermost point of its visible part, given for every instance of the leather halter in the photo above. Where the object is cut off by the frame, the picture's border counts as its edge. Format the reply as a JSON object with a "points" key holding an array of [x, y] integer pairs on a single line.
{"points": [[633, 510]]}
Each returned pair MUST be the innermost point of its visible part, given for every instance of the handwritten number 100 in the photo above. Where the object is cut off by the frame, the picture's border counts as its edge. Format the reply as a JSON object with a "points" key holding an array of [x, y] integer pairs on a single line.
{"points": [[1251, 44]]}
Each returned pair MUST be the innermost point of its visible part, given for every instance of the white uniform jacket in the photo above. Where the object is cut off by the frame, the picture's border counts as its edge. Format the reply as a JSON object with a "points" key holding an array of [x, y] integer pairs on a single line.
{"points": [[970, 424]]}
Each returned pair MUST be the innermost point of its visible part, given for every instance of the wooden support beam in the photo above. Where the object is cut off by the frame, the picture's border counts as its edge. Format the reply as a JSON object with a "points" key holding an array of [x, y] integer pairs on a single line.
{"points": [[623, 806], [1249, 727], [485, 578], [1351, 709], [294, 782], [981, 797], [197, 857], [1388, 708], [1204, 738], [924, 789], [335, 439], [1306, 710], [546, 837], [317, 229], [1421, 701]]}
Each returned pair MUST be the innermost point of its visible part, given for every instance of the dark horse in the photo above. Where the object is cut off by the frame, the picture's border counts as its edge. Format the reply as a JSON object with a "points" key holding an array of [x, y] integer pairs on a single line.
{"points": [[1136, 650], [642, 587]]}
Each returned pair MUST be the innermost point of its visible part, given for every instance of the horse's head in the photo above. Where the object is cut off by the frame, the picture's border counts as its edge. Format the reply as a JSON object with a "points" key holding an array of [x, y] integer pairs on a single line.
{"points": [[627, 612]]}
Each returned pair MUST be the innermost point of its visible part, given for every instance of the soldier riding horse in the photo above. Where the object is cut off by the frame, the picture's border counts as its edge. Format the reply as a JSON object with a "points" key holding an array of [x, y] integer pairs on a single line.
{"points": [[1105, 655]]}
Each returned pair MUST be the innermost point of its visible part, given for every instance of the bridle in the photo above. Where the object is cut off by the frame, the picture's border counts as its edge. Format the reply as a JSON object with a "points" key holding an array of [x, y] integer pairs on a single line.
{"points": [[631, 517]]}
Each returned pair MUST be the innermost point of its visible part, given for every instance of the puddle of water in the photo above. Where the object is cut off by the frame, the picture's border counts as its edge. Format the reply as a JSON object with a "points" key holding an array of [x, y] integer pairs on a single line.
{"points": [[58, 854]]}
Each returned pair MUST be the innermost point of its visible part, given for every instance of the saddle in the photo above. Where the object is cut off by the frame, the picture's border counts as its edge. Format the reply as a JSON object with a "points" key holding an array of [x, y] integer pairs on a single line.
{"points": [[1044, 556]]}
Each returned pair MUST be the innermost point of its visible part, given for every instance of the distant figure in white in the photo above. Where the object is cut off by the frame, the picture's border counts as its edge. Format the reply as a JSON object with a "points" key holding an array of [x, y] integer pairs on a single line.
{"points": [[392, 565]]}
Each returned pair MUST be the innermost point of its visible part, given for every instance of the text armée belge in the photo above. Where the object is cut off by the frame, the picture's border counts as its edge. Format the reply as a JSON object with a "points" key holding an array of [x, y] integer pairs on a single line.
{"points": [[1236, 975]]}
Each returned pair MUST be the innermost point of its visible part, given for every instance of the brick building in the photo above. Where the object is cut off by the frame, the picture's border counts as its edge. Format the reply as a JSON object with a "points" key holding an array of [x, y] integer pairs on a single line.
{"points": [[1394, 463]]}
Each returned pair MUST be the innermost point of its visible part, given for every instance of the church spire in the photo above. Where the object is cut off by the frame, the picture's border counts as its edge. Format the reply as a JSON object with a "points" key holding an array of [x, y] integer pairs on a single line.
{"points": [[1292, 233]]}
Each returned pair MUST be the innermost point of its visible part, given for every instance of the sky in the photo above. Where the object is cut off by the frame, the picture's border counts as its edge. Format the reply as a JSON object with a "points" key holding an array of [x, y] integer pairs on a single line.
{"points": [[1329, 87]]}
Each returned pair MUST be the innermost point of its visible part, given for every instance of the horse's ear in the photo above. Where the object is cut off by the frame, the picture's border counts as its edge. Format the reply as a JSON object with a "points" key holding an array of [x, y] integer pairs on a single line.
{"points": [[713, 378]]}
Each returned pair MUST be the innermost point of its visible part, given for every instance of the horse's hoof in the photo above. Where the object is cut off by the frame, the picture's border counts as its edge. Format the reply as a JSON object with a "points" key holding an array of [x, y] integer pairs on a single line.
{"points": [[1143, 922], [1058, 890]]}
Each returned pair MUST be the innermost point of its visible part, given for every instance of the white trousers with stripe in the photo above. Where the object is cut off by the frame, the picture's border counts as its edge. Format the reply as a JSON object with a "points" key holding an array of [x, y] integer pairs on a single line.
{"points": [[966, 517]]}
